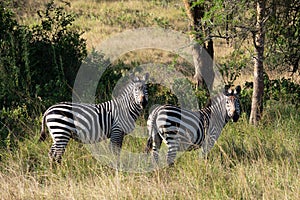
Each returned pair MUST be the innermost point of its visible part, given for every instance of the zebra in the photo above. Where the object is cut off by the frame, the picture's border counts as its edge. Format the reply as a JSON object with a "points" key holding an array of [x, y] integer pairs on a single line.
{"points": [[185, 130], [92, 123]]}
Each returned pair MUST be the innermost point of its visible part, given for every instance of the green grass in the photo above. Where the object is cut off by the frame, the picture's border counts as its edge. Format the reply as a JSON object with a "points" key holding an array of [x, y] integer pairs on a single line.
{"points": [[246, 163], [101, 19]]}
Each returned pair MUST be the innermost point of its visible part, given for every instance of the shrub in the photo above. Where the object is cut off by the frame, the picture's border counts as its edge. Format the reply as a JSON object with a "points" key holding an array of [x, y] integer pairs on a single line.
{"points": [[283, 90], [38, 65]]}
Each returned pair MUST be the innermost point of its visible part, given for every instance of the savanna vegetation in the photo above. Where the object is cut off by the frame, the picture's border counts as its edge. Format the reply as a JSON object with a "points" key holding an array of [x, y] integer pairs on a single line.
{"points": [[42, 46]]}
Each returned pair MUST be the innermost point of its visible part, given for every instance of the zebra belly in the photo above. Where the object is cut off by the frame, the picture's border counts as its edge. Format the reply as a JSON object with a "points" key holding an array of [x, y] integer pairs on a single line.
{"points": [[185, 138], [81, 136], [90, 136], [62, 127], [186, 141]]}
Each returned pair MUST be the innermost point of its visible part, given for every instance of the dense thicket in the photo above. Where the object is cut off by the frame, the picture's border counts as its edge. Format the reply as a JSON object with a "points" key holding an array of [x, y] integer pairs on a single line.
{"points": [[38, 64]]}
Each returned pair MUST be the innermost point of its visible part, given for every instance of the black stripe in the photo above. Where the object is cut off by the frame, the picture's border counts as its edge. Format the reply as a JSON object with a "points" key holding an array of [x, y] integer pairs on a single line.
{"points": [[63, 113], [61, 121], [61, 127]]}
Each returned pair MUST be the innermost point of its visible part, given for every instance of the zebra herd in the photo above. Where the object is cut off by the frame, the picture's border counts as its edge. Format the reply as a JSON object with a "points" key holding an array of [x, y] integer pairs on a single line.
{"points": [[178, 128]]}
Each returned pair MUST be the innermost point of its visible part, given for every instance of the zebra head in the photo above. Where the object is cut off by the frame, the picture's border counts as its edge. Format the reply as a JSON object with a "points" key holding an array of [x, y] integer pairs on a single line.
{"points": [[233, 103], [139, 89]]}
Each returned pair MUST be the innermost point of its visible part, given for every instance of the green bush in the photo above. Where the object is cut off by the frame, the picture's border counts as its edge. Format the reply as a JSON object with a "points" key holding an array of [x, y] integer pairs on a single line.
{"points": [[283, 90], [39, 62], [38, 65], [56, 53]]}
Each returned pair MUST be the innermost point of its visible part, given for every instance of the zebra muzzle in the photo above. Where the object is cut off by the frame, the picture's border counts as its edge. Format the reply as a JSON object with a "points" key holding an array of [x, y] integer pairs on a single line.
{"points": [[235, 117], [143, 101]]}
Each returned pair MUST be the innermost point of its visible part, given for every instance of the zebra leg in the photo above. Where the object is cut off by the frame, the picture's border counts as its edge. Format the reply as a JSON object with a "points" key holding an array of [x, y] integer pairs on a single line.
{"points": [[57, 149], [173, 147], [116, 141], [157, 140], [56, 153]]}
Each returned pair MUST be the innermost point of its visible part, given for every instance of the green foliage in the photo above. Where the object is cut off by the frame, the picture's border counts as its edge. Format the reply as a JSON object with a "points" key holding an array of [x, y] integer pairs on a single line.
{"points": [[282, 90], [16, 123], [38, 65], [14, 65], [41, 62], [109, 80], [227, 20], [283, 41], [162, 22], [57, 52], [246, 98], [232, 66], [161, 95]]}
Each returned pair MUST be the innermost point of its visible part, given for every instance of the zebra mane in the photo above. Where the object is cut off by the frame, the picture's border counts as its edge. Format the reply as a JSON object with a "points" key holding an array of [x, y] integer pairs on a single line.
{"points": [[215, 103], [217, 99], [124, 91]]}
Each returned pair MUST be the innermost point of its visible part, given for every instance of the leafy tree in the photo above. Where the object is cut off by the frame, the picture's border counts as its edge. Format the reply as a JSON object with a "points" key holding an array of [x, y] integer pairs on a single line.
{"points": [[14, 60], [273, 27], [38, 65], [56, 52], [39, 62], [283, 40]]}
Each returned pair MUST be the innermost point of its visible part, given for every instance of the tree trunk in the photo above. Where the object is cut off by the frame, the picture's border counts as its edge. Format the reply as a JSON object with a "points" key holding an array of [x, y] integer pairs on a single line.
{"points": [[203, 61], [258, 81]]}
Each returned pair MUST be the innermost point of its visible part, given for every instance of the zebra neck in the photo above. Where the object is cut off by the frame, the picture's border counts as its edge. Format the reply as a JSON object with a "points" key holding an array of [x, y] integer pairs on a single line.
{"points": [[217, 120], [206, 113], [217, 112], [130, 109]]}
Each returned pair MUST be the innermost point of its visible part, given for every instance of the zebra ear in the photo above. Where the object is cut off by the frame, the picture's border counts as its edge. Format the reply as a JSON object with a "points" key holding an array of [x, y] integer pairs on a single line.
{"points": [[146, 77], [134, 78], [237, 90], [226, 89]]}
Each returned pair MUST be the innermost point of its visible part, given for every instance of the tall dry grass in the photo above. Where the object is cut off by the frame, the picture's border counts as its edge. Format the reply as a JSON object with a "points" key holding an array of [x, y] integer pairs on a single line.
{"points": [[246, 163]]}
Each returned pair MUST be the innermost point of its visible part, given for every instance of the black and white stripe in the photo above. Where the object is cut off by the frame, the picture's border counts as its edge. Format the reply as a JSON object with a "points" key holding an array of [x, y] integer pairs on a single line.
{"points": [[182, 129], [92, 123]]}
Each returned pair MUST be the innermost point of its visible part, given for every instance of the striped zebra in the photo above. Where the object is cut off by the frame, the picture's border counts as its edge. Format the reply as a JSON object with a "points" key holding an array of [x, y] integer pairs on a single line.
{"points": [[182, 129], [92, 123]]}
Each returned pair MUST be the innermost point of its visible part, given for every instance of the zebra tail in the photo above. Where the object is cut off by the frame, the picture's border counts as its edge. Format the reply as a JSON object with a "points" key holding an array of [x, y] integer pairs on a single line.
{"points": [[43, 135], [151, 127], [149, 146]]}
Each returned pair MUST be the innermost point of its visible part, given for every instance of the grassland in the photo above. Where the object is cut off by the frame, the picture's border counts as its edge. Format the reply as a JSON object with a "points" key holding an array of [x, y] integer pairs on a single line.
{"points": [[246, 163]]}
